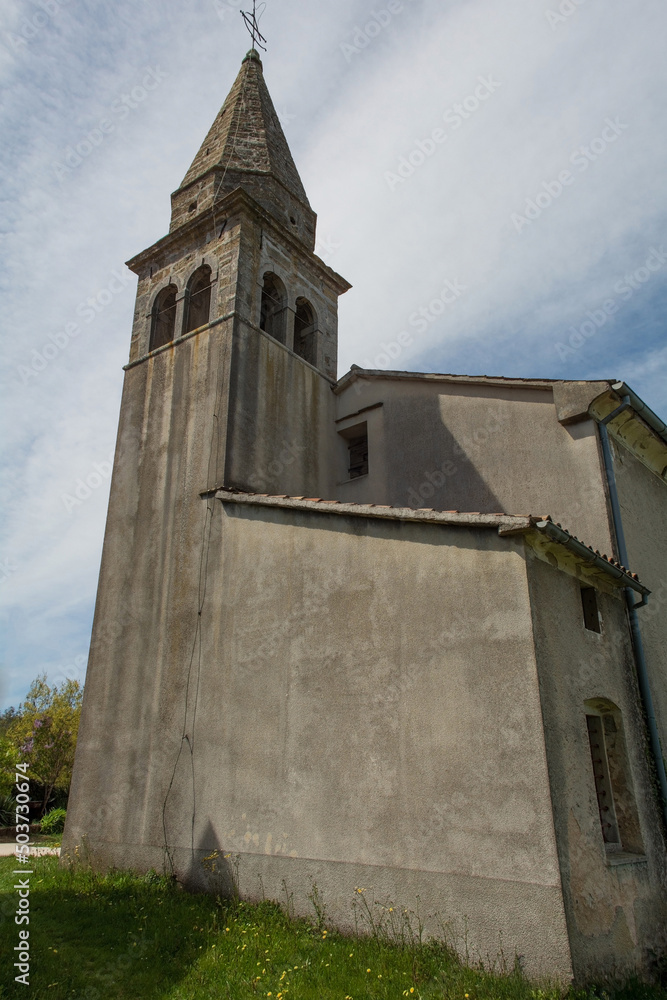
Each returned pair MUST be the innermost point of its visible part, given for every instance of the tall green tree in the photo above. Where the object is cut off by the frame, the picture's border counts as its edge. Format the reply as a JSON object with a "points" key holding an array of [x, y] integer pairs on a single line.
{"points": [[7, 753], [43, 735], [7, 763], [6, 718]]}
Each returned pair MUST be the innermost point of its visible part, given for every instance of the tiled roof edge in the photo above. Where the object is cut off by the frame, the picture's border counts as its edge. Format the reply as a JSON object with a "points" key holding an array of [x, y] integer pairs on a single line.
{"points": [[505, 524], [539, 383]]}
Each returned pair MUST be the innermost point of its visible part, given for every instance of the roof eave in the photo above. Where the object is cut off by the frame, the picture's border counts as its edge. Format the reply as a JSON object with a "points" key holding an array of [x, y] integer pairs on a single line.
{"points": [[530, 525]]}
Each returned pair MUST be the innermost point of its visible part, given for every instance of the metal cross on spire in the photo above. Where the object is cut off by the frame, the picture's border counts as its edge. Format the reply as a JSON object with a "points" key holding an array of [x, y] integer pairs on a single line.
{"points": [[252, 20]]}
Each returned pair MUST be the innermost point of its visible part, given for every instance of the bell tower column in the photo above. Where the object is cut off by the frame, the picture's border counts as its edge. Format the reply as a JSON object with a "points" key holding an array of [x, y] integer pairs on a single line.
{"points": [[229, 382]]}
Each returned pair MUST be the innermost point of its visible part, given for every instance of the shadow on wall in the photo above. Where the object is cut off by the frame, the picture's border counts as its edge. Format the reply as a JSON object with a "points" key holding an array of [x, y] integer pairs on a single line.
{"points": [[433, 467], [211, 868]]}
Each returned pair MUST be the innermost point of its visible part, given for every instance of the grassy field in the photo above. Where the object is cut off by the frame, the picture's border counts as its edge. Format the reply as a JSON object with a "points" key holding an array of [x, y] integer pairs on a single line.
{"points": [[104, 937]]}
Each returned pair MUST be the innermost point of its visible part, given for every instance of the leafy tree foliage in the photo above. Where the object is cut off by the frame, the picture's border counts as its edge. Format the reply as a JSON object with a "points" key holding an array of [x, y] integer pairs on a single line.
{"points": [[6, 718], [42, 734], [7, 754]]}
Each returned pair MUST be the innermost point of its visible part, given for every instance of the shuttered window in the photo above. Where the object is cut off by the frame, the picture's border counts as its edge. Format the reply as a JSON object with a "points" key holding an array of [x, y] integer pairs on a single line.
{"points": [[603, 787], [358, 452]]}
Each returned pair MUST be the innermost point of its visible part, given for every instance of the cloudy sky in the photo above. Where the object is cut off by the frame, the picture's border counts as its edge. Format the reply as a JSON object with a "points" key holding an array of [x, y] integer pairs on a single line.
{"points": [[513, 154]]}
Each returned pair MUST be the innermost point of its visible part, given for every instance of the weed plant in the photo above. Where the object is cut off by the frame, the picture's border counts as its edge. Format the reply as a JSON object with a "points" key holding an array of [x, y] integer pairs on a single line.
{"points": [[53, 822]]}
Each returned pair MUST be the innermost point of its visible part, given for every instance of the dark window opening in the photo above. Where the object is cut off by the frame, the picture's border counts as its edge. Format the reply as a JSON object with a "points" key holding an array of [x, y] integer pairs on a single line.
{"points": [[272, 313], [192, 207], [304, 331], [355, 442], [358, 452], [198, 300], [163, 320], [589, 602]]}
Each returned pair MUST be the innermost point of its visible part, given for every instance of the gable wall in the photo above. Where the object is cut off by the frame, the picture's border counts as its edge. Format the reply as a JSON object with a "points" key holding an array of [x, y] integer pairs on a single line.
{"points": [[477, 448], [643, 499]]}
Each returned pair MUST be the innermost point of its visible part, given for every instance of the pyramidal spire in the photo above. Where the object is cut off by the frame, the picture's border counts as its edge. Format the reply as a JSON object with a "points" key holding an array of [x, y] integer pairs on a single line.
{"points": [[246, 148]]}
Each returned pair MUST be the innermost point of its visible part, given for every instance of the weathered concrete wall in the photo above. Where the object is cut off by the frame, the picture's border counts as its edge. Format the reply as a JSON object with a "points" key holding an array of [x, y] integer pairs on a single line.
{"points": [[469, 447], [643, 499], [363, 710], [616, 904], [227, 385], [168, 449], [171, 446], [264, 248], [281, 412]]}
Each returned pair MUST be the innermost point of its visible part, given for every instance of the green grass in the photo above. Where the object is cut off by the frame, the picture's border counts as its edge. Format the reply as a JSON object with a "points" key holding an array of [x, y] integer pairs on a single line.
{"points": [[97, 937]]}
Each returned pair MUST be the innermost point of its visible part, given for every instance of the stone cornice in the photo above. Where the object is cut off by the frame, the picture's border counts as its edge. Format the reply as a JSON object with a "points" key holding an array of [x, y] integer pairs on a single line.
{"points": [[236, 200], [218, 169]]}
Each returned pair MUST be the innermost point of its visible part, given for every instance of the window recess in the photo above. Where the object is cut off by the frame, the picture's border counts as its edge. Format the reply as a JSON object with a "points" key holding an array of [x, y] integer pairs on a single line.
{"points": [[589, 604], [616, 803], [356, 442]]}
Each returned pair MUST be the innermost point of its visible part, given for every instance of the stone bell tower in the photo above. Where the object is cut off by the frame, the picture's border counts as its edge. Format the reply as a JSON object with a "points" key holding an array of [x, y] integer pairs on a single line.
{"points": [[229, 382]]}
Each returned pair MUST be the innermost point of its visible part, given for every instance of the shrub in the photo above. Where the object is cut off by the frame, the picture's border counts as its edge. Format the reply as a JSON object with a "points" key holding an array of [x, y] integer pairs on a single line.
{"points": [[53, 822], [7, 810]]}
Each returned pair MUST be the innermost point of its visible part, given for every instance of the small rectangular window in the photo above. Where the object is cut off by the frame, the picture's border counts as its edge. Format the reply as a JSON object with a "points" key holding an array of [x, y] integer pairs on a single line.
{"points": [[589, 602]]}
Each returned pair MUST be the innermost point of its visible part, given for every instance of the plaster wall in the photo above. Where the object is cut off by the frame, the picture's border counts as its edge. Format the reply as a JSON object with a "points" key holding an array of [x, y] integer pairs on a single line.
{"points": [[281, 408], [616, 903], [643, 499], [281, 412], [363, 710], [472, 447]]}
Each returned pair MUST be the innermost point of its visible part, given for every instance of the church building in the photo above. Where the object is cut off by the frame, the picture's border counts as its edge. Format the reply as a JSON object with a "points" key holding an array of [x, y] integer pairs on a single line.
{"points": [[396, 631]]}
